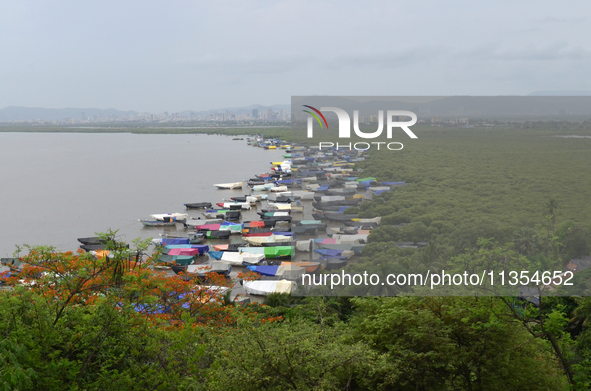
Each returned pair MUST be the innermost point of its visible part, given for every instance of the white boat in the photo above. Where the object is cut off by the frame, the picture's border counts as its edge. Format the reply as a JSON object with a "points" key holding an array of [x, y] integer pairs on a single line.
{"points": [[332, 198], [376, 220], [195, 222], [292, 207], [235, 185], [263, 187], [229, 205], [358, 238], [252, 250], [235, 229], [279, 206], [265, 288], [303, 195], [290, 271], [259, 240], [203, 270], [238, 259], [170, 217], [277, 189]]}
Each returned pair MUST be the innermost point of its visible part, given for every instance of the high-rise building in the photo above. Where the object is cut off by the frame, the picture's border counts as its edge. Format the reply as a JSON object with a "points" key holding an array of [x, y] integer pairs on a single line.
{"points": [[270, 114], [255, 113]]}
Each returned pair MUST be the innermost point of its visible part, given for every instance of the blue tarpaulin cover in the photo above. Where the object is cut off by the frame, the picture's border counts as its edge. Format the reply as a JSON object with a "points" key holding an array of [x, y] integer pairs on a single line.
{"points": [[216, 254], [166, 241], [230, 223], [329, 254], [270, 271], [287, 181]]}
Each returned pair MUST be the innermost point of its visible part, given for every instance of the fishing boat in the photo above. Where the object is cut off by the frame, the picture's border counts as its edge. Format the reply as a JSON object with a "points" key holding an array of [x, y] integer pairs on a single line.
{"points": [[14, 265], [322, 205], [196, 222], [263, 187], [309, 266], [217, 267], [265, 214], [276, 218], [264, 270], [163, 241], [337, 209], [247, 198], [255, 182], [259, 240], [317, 223], [361, 225], [156, 223], [334, 254], [356, 248], [178, 217], [223, 213], [179, 249], [234, 205], [290, 271], [237, 258], [217, 234], [233, 228], [282, 198], [278, 189], [258, 224], [194, 237], [91, 240], [302, 195], [227, 247], [304, 230], [175, 259], [198, 205], [270, 252], [226, 186], [255, 233], [265, 288], [335, 216]]}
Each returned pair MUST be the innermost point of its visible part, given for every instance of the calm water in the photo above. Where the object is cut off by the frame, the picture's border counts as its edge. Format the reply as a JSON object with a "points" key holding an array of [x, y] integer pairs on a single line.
{"points": [[56, 187]]}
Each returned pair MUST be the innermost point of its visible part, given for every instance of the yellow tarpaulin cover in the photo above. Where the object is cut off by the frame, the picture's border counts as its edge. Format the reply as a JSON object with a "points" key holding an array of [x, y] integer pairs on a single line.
{"points": [[100, 254]]}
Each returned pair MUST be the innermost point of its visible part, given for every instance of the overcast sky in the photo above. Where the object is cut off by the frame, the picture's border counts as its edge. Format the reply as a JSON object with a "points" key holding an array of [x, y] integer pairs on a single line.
{"points": [[178, 55]]}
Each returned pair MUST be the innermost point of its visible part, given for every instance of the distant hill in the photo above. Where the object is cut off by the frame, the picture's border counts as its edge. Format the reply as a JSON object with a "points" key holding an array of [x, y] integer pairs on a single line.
{"points": [[18, 113], [560, 93], [236, 110], [539, 106]]}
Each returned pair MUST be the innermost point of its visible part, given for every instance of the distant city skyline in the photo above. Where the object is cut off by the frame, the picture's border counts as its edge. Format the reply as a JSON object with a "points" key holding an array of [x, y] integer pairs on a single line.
{"points": [[256, 113]]}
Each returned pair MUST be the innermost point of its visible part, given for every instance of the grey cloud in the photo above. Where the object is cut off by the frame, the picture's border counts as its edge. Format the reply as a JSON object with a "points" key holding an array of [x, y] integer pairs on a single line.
{"points": [[552, 52], [248, 64], [397, 59]]}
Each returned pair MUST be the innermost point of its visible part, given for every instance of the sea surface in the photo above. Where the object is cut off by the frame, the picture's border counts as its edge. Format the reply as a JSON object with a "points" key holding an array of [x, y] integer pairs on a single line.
{"points": [[57, 187]]}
